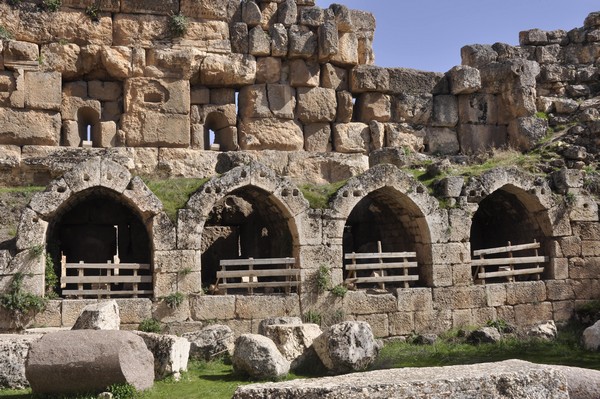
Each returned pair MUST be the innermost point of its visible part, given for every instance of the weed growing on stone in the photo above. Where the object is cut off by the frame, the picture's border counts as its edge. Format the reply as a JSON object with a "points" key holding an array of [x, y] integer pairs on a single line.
{"points": [[4, 34], [323, 278], [51, 5], [312, 317], [174, 300], [339, 291], [20, 303], [319, 195], [150, 325], [178, 24], [93, 12], [174, 193]]}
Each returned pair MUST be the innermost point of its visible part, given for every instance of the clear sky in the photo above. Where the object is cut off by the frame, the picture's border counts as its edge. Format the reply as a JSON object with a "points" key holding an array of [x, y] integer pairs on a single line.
{"points": [[428, 34]]}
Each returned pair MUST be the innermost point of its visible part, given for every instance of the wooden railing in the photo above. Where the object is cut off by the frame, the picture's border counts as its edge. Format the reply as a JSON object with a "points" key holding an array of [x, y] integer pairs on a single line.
{"points": [[100, 279], [510, 266], [258, 274], [380, 268]]}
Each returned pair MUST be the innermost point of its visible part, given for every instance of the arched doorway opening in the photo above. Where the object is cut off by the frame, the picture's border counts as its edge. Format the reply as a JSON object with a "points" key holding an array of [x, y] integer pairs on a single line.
{"points": [[96, 228], [218, 134], [245, 223], [388, 221], [90, 129], [509, 216]]}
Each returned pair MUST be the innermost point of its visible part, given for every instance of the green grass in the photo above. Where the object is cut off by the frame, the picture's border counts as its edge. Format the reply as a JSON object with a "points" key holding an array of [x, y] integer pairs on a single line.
{"points": [[319, 195], [174, 193], [21, 189]]}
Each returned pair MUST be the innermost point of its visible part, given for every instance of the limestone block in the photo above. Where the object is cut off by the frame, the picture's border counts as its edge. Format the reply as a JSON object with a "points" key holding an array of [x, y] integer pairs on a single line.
{"points": [[495, 294], [32, 230], [529, 314], [170, 353], [199, 95], [166, 314], [378, 139], [168, 283], [380, 324], [411, 81], [154, 129], [478, 55], [316, 105], [459, 297], [525, 292], [584, 208], [228, 70], [108, 138], [525, 133], [464, 79], [433, 322], [559, 290], [178, 261], [31, 263], [317, 137], [8, 85], [441, 141], [207, 9], [343, 17], [21, 55], [169, 7], [139, 29], [288, 12], [374, 107], [345, 109], [359, 302], [279, 40], [351, 137], [61, 58], [478, 108], [103, 315], [21, 127], [401, 323], [71, 106], [415, 109], [60, 362], [251, 14], [477, 138], [105, 91], [533, 37], [260, 307], [348, 50], [333, 77], [328, 40], [259, 42], [118, 61], [413, 299], [105, 5], [445, 111], [160, 95], [304, 73], [239, 38], [258, 357], [98, 172], [282, 100], [271, 134], [163, 230], [209, 307], [366, 78], [253, 102], [293, 340], [134, 310], [303, 43], [268, 70]]}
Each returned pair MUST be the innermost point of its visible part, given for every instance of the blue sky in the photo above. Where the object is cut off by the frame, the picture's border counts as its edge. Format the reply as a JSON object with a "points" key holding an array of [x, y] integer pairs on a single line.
{"points": [[428, 34]]}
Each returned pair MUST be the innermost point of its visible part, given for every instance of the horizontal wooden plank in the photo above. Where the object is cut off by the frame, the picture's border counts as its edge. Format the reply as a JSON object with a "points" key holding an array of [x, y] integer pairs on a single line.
{"points": [[379, 266], [105, 292], [511, 248], [259, 273], [270, 284], [383, 255], [264, 261], [509, 261], [104, 279], [103, 266], [520, 272], [384, 279]]}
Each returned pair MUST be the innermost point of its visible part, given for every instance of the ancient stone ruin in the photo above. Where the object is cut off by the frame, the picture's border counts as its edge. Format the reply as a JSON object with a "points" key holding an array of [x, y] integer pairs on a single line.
{"points": [[266, 100]]}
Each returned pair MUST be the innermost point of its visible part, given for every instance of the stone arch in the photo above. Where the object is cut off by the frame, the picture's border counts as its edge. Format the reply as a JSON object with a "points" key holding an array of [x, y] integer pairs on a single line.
{"points": [[388, 205], [218, 133], [97, 178], [232, 207], [511, 207]]}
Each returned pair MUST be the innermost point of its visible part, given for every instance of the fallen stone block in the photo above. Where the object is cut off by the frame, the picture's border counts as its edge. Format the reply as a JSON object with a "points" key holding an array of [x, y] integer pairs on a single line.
{"points": [[211, 342], [13, 353], [508, 379], [170, 352], [258, 357], [88, 361], [99, 316]]}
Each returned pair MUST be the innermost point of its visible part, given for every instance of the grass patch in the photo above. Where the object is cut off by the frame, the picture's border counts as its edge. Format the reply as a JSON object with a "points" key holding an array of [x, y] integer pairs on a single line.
{"points": [[319, 195], [174, 193], [21, 189]]}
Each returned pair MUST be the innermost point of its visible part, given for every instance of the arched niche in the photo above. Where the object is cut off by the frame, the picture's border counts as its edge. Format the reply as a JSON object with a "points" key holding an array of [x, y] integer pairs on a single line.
{"points": [[99, 226], [510, 215], [245, 223], [89, 126], [388, 220], [218, 134]]}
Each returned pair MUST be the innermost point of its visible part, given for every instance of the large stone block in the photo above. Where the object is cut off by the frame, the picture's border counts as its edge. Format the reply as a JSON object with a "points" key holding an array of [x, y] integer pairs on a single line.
{"points": [[169, 7], [160, 95], [442, 141], [348, 51], [43, 90], [209, 307], [374, 107], [13, 354], [525, 292], [459, 297], [316, 105], [412, 81], [352, 137], [155, 129], [304, 73], [260, 307], [317, 137], [170, 353], [22, 127], [529, 314], [366, 78], [525, 133], [478, 138], [228, 70], [464, 79], [445, 111], [303, 43], [207, 9], [359, 302], [271, 134], [412, 108]]}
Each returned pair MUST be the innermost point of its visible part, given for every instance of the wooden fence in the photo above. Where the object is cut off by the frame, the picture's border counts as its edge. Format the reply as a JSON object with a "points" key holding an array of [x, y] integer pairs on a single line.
{"points": [[258, 274]]}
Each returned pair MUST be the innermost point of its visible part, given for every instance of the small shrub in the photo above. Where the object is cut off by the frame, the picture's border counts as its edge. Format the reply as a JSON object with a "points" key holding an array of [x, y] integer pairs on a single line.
{"points": [[51, 277], [570, 198], [174, 300], [93, 12], [51, 5], [4, 34], [150, 325], [20, 303], [37, 251], [312, 317], [178, 24], [541, 115], [123, 391], [323, 278], [339, 290]]}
